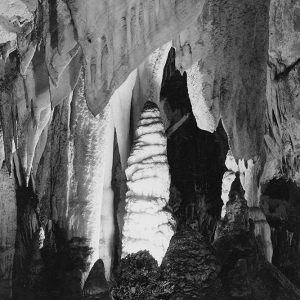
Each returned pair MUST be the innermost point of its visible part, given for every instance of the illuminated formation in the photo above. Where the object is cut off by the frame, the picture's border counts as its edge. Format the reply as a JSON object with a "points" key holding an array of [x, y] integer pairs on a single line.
{"points": [[262, 230], [146, 225]]}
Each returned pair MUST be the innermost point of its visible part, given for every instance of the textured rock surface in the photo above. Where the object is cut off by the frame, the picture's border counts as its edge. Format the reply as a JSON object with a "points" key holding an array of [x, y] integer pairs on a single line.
{"points": [[149, 81], [281, 207], [8, 225], [76, 154], [227, 179], [230, 40], [191, 266], [262, 230], [68, 204], [15, 14], [242, 64], [236, 217], [196, 157], [284, 47], [117, 36], [146, 225], [121, 105], [249, 173], [138, 277], [245, 272], [96, 286], [282, 125]]}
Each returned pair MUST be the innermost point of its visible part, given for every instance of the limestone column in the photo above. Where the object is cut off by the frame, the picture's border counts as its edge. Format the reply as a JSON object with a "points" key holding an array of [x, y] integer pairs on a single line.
{"points": [[147, 226]]}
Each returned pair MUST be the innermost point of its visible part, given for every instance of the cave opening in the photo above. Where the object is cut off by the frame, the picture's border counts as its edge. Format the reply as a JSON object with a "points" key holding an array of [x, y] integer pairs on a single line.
{"points": [[196, 157], [280, 203]]}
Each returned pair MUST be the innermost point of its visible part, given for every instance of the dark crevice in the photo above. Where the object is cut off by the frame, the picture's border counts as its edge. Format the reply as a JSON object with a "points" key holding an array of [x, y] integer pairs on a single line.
{"points": [[281, 207], [274, 119], [287, 70], [196, 158], [53, 23]]}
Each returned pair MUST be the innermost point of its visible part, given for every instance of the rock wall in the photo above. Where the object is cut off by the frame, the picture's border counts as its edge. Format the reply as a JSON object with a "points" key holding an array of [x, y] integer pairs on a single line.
{"points": [[8, 225], [225, 53]]}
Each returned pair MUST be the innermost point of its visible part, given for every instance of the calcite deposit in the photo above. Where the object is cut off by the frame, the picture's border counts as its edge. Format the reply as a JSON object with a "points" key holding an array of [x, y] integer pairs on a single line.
{"points": [[147, 226], [191, 266], [126, 125], [8, 225]]}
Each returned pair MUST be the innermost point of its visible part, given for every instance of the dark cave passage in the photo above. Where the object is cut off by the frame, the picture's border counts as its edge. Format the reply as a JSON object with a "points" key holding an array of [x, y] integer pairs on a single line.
{"points": [[280, 202], [196, 157]]}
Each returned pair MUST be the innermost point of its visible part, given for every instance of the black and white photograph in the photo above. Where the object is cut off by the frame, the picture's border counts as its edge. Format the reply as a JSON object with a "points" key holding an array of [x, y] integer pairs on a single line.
{"points": [[149, 149]]}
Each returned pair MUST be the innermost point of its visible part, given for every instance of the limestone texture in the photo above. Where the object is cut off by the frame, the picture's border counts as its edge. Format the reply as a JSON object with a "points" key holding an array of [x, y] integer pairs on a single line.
{"points": [[75, 80], [147, 226]]}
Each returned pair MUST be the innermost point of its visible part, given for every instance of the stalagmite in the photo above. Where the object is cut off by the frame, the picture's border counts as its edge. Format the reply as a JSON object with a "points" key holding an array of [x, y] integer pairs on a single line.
{"points": [[146, 225], [74, 78], [191, 267]]}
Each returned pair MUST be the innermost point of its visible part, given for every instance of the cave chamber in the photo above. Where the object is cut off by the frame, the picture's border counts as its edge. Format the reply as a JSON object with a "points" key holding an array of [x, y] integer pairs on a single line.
{"points": [[149, 149]]}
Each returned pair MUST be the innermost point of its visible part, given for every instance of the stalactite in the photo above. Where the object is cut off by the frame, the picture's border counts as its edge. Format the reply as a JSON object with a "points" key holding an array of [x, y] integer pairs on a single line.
{"points": [[228, 178], [262, 230], [60, 53], [205, 109], [146, 225], [78, 190], [53, 143], [107, 225], [250, 174], [149, 81], [111, 56], [73, 186], [219, 80], [121, 106]]}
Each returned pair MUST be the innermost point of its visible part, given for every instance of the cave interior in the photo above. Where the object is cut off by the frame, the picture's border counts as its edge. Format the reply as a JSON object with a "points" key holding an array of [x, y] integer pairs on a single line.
{"points": [[149, 149]]}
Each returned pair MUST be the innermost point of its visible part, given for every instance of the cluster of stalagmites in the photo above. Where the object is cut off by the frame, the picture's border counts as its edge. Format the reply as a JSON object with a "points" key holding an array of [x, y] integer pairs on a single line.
{"points": [[189, 270], [147, 226], [245, 272]]}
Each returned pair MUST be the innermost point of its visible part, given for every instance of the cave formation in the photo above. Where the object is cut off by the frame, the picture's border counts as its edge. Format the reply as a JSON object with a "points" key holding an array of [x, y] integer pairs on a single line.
{"points": [[149, 149]]}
